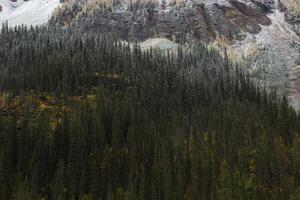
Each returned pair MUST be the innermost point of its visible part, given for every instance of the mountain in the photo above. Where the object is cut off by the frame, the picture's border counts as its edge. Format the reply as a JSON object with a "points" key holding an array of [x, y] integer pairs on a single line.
{"points": [[140, 21], [86, 116], [260, 34], [28, 12], [90, 109]]}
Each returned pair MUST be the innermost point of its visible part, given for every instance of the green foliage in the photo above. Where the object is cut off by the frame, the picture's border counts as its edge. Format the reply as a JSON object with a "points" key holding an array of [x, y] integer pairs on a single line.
{"points": [[22, 191], [121, 123]]}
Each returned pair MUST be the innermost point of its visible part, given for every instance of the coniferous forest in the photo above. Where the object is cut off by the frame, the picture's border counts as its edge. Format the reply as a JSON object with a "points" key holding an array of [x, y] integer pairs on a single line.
{"points": [[87, 117]]}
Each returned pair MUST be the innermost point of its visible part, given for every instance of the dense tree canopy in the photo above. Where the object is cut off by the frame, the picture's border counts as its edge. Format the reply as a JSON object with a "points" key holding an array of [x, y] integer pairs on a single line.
{"points": [[85, 116]]}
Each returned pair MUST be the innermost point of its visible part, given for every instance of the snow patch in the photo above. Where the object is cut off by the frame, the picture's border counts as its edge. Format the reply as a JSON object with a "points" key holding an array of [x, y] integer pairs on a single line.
{"points": [[32, 12]]}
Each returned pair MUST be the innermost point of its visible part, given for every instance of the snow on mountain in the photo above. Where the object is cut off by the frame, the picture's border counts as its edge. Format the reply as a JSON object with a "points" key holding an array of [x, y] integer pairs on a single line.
{"points": [[32, 12]]}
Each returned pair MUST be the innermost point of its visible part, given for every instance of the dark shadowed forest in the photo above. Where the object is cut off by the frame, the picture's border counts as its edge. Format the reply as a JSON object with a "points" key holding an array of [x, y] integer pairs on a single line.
{"points": [[87, 117]]}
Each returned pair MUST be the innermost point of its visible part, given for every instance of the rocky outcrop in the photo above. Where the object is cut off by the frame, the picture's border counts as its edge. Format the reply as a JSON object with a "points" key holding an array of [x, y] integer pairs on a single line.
{"points": [[204, 21], [265, 5], [240, 20], [253, 12], [294, 21], [291, 18]]}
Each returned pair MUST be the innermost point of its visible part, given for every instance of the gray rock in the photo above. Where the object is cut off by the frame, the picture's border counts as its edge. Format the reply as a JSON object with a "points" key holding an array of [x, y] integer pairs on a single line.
{"points": [[203, 21]]}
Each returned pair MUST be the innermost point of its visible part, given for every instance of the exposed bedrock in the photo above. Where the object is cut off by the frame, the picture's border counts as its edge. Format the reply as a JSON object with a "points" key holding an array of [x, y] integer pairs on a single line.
{"points": [[204, 21]]}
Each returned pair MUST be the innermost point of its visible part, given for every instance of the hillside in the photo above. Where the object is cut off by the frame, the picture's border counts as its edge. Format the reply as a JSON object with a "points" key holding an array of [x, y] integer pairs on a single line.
{"points": [[148, 19], [85, 116], [260, 34], [149, 100]]}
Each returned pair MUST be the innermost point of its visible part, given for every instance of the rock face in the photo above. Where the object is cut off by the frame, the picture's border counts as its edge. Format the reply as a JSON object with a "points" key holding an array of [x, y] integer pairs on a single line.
{"points": [[252, 12], [275, 58], [203, 21], [265, 5], [291, 18], [294, 21]]}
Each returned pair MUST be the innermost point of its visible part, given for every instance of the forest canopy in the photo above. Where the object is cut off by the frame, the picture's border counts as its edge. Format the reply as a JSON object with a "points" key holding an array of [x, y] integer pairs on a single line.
{"points": [[86, 116]]}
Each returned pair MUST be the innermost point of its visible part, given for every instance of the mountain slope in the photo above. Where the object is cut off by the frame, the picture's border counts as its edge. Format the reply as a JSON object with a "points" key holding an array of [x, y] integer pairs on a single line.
{"points": [[277, 60], [32, 12], [243, 25], [140, 21], [85, 116]]}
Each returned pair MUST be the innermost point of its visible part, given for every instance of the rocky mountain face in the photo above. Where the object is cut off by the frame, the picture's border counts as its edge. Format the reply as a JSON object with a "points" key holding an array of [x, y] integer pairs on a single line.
{"points": [[202, 20], [291, 8], [273, 55]]}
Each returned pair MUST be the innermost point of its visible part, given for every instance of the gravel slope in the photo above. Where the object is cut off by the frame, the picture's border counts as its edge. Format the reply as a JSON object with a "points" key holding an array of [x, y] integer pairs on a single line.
{"points": [[277, 61]]}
